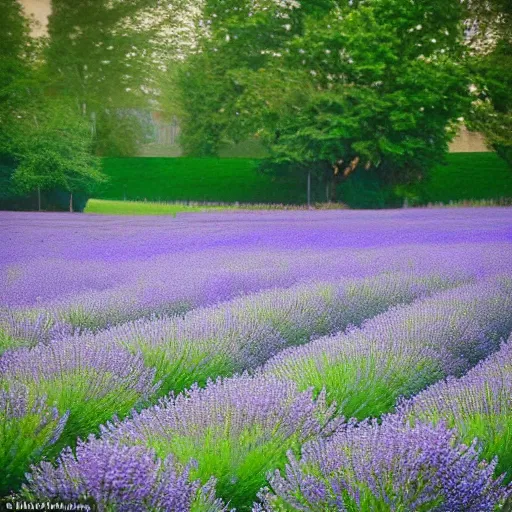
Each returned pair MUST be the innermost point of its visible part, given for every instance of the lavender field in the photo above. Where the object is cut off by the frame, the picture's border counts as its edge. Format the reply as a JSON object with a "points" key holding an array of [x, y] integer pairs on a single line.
{"points": [[258, 361]]}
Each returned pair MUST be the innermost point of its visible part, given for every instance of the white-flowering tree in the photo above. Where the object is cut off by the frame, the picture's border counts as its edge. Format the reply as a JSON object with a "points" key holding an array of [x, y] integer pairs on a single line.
{"points": [[106, 56], [490, 63]]}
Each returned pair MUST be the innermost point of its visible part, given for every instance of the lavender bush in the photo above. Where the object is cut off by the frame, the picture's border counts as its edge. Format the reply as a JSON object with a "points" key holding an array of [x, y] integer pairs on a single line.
{"points": [[243, 333], [93, 379], [27, 427], [120, 310], [92, 273], [403, 350], [387, 467], [30, 328], [122, 478], [88, 381], [236, 429], [478, 405]]}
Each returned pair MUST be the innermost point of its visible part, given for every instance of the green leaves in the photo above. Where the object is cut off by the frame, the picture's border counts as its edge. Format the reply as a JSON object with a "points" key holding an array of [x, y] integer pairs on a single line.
{"points": [[371, 85], [53, 148], [491, 110]]}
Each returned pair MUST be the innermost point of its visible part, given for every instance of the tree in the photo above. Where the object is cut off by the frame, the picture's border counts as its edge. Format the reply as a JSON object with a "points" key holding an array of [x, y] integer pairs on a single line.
{"points": [[54, 151], [44, 142], [371, 86], [14, 74], [490, 65], [100, 55], [491, 110], [232, 36], [329, 87]]}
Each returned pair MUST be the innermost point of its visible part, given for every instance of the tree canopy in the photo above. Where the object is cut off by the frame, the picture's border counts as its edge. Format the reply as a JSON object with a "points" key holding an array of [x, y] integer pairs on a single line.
{"points": [[45, 143], [490, 65], [99, 56], [332, 88]]}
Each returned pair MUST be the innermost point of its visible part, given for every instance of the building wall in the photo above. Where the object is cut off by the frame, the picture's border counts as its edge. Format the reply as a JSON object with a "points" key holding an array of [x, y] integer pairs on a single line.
{"points": [[40, 10], [469, 142]]}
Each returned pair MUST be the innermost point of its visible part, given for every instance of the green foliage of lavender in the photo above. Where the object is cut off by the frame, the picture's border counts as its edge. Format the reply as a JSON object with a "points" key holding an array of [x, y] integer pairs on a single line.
{"points": [[386, 467], [94, 377], [478, 405], [401, 351], [87, 382], [239, 429], [242, 334], [114, 477], [236, 430], [27, 426], [7, 341]]}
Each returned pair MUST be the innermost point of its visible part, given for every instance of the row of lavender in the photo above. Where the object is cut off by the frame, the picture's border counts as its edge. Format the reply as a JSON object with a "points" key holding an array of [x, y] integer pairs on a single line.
{"points": [[89, 378], [239, 429], [442, 450], [63, 274], [165, 285]]}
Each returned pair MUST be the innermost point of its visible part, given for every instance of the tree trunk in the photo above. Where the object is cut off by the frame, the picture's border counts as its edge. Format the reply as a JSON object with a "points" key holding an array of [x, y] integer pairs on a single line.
{"points": [[332, 188], [93, 124], [309, 189], [38, 198], [339, 175], [71, 202], [327, 192]]}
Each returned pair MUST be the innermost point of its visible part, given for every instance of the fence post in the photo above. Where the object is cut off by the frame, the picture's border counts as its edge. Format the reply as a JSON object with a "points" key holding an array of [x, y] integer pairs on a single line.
{"points": [[309, 188]]}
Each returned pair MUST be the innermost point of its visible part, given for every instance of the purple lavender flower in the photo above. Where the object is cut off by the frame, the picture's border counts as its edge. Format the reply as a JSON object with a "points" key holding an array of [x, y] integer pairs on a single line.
{"points": [[19, 330], [298, 312], [27, 426], [91, 381], [123, 478], [236, 429], [92, 273], [477, 405], [243, 333], [403, 350], [61, 275], [392, 466]]}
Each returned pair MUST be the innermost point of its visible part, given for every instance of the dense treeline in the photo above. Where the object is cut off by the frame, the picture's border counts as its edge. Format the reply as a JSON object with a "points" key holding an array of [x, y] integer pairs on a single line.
{"points": [[65, 98], [331, 89]]}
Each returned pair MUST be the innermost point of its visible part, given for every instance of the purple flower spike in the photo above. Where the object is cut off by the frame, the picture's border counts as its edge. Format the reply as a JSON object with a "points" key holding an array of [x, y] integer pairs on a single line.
{"points": [[92, 381], [479, 404], [124, 478], [392, 466], [27, 427], [236, 429], [404, 349]]}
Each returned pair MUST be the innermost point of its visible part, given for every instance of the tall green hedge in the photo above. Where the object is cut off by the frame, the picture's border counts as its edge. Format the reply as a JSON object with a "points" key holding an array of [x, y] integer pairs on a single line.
{"points": [[466, 176], [196, 179], [230, 180]]}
